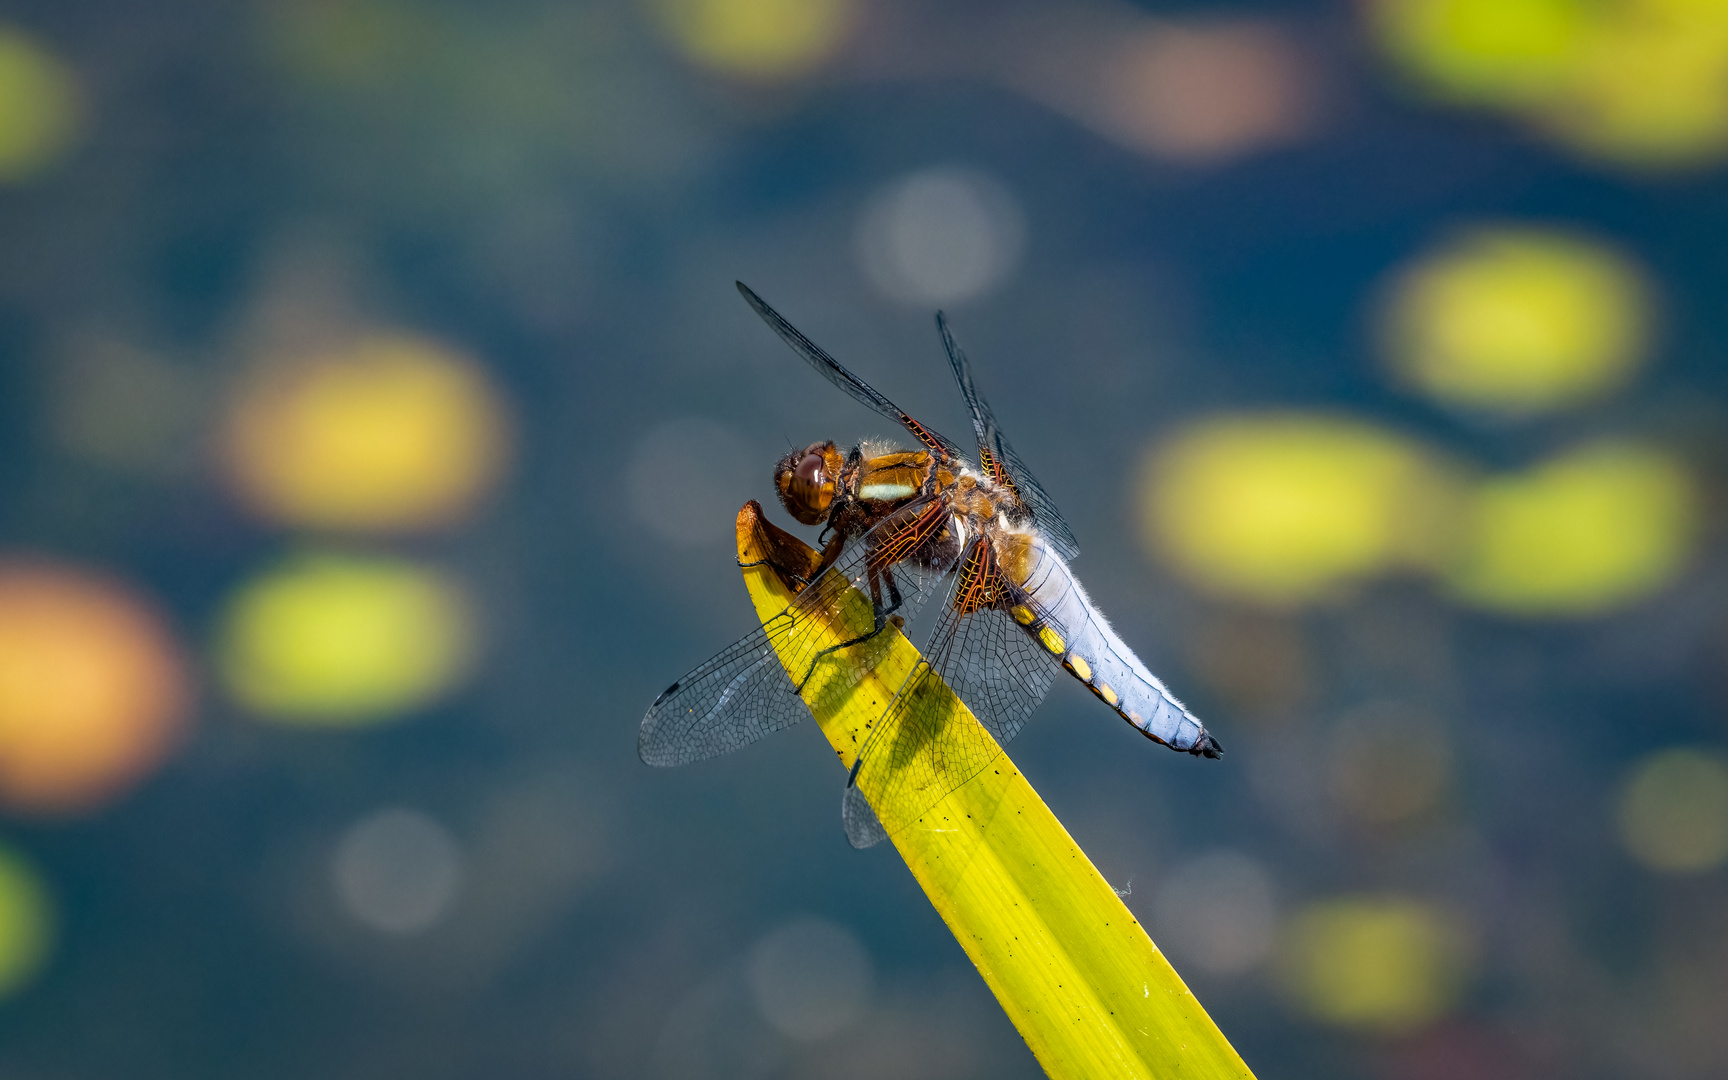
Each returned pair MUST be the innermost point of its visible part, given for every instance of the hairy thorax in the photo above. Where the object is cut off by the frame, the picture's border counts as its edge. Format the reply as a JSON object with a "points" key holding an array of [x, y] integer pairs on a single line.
{"points": [[877, 482]]}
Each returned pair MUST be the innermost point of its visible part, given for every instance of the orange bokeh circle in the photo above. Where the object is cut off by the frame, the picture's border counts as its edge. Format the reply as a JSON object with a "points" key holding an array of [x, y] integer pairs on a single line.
{"points": [[94, 690], [389, 433]]}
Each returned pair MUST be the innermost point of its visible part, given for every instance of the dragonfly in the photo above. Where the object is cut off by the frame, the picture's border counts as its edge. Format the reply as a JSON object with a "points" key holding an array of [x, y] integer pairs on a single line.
{"points": [[902, 526]]}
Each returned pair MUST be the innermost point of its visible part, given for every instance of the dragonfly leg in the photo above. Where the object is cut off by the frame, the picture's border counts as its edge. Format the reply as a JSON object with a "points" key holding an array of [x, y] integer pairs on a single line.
{"points": [[893, 596], [830, 555], [883, 615]]}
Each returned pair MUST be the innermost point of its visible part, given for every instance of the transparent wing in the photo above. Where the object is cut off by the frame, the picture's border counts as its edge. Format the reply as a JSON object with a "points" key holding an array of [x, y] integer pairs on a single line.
{"points": [[831, 369], [746, 691], [1000, 462], [863, 828], [993, 667], [991, 664]]}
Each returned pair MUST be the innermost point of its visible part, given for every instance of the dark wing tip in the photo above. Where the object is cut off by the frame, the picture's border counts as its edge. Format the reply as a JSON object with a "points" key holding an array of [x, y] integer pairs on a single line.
{"points": [[664, 694], [650, 746]]}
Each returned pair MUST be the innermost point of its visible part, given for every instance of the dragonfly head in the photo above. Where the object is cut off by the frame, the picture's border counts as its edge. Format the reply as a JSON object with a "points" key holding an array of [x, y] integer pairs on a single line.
{"points": [[808, 481]]}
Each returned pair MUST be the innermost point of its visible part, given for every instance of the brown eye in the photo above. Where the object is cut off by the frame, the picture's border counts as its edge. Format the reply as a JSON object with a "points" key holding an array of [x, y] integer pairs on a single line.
{"points": [[806, 481], [810, 469]]}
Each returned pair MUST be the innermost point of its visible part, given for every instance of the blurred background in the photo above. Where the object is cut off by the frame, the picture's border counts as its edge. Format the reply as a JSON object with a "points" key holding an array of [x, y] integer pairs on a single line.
{"points": [[375, 403]]}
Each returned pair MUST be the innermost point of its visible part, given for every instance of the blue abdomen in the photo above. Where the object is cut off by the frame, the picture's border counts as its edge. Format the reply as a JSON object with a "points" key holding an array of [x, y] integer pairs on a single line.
{"points": [[1062, 619]]}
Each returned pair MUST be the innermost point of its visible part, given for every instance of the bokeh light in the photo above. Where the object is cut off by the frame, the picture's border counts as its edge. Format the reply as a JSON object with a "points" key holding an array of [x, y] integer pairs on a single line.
{"points": [[391, 433], [756, 39], [1218, 912], [1485, 51], [1386, 964], [1518, 320], [811, 978], [1389, 763], [26, 923], [941, 236], [397, 871], [39, 106], [1637, 82], [1651, 88], [93, 688], [1673, 811], [1596, 528], [340, 639], [1207, 93], [1288, 508]]}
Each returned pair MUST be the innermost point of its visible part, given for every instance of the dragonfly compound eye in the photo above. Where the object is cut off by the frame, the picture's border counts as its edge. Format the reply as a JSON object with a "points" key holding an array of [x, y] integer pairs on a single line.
{"points": [[807, 480]]}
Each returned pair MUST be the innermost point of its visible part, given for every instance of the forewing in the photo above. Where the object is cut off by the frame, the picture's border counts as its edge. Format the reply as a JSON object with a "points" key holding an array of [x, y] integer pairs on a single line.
{"points": [[831, 369], [1000, 462], [746, 691], [738, 696], [991, 665]]}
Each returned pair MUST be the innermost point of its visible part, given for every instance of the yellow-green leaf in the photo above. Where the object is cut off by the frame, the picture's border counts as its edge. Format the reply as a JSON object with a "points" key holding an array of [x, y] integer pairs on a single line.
{"points": [[1088, 990]]}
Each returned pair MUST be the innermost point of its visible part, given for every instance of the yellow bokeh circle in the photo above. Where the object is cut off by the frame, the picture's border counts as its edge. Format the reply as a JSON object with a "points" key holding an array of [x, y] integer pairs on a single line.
{"points": [[1652, 88], [1599, 527], [344, 640], [755, 39], [391, 433], [1385, 964], [1518, 321], [1673, 811], [1287, 508], [1485, 51], [93, 689], [1642, 83], [39, 109], [26, 923]]}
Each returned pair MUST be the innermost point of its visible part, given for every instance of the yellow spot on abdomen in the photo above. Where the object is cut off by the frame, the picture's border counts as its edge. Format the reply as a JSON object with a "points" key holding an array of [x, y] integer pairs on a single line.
{"points": [[1107, 694], [1052, 640], [1022, 614], [1081, 668]]}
